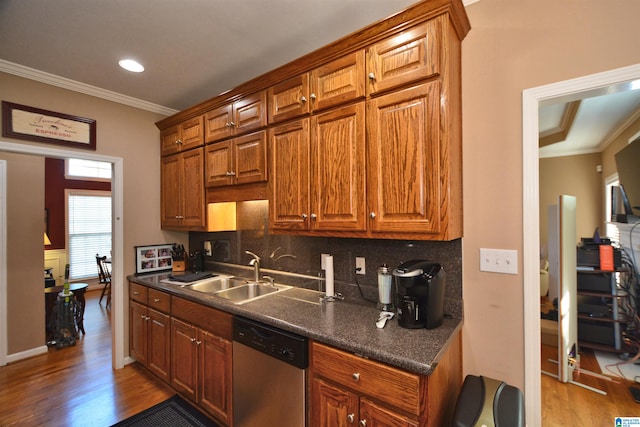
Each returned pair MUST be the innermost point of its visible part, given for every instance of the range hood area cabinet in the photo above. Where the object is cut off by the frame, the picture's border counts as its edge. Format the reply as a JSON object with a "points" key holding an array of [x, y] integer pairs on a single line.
{"points": [[364, 136]]}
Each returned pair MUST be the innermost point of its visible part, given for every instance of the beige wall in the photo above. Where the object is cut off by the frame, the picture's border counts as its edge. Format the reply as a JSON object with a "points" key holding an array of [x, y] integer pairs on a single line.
{"points": [[25, 219], [515, 45], [122, 131], [574, 176]]}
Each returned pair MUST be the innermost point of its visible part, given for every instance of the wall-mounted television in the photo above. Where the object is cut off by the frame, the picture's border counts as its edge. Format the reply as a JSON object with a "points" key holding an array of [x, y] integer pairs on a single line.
{"points": [[628, 165]]}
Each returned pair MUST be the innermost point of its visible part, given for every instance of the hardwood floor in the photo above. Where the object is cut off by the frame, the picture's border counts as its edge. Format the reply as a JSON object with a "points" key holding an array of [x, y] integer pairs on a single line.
{"points": [[571, 405], [75, 386]]}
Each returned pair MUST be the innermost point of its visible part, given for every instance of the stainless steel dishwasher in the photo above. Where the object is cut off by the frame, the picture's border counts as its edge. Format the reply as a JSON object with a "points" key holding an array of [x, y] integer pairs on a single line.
{"points": [[268, 375]]}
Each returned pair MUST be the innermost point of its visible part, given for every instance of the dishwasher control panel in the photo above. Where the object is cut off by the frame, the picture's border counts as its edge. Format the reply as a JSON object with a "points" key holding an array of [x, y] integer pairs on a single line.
{"points": [[282, 345]]}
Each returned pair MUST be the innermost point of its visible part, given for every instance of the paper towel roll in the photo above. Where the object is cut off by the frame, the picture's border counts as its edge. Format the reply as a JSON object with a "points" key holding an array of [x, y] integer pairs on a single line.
{"points": [[329, 291]]}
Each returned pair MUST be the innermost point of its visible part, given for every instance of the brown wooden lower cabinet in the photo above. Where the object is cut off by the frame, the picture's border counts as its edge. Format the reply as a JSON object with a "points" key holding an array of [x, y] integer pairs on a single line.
{"points": [[149, 339], [190, 348], [201, 365], [349, 390]]}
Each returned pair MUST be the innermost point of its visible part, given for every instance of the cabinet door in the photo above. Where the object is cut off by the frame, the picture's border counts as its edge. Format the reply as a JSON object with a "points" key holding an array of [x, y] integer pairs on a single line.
{"points": [[138, 339], [250, 112], [215, 376], [250, 158], [219, 169], [338, 169], [339, 81], [219, 123], [404, 58], [192, 133], [159, 332], [170, 140], [184, 359], [377, 416], [170, 197], [404, 161], [193, 189], [289, 99], [289, 176], [332, 406]]}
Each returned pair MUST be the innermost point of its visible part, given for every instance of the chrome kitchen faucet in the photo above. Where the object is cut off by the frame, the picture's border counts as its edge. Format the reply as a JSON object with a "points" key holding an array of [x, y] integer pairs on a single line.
{"points": [[255, 262]]}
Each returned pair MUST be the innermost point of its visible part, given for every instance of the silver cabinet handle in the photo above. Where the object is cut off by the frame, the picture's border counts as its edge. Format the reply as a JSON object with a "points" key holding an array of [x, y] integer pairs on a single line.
{"points": [[179, 217], [304, 216], [230, 124], [372, 215], [156, 300], [198, 342], [351, 418], [303, 99], [313, 216], [192, 339], [136, 293], [356, 376], [312, 96], [230, 173], [363, 423], [372, 76]]}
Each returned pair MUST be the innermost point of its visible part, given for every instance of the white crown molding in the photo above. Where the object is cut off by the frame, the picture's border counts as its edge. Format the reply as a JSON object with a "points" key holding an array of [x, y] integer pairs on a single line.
{"points": [[62, 82]]}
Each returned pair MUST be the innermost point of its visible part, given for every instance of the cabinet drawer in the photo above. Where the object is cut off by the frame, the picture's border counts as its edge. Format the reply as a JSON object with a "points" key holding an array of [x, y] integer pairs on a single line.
{"points": [[394, 386], [138, 292], [161, 301], [215, 321]]}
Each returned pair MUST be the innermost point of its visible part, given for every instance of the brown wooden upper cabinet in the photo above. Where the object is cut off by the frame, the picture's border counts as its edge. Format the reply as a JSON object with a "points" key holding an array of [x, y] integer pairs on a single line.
{"points": [[240, 160], [247, 114], [317, 172], [338, 81], [404, 167], [404, 58], [329, 85], [182, 198], [289, 99], [182, 137]]}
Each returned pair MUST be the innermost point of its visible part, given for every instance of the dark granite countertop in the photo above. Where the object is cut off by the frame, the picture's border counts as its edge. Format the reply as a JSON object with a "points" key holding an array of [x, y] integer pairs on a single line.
{"points": [[342, 324]]}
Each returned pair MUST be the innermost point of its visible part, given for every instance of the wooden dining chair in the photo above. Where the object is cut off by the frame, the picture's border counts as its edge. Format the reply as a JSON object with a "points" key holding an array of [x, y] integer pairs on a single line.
{"points": [[104, 274]]}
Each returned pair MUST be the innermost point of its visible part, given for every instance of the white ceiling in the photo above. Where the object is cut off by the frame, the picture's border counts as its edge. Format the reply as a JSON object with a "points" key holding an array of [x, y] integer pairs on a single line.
{"points": [[602, 115], [194, 50]]}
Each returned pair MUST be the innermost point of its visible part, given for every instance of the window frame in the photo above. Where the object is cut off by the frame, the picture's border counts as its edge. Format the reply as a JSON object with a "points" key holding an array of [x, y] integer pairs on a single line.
{"points": [[83, 192]]}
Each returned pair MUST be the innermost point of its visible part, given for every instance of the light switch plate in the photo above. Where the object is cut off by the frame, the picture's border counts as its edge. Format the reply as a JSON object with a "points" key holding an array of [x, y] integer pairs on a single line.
{"points": [[499, 261]]}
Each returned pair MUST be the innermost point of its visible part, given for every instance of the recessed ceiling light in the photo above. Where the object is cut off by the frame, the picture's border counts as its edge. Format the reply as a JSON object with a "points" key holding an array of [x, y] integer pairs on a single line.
{"points": [[131, 65]]}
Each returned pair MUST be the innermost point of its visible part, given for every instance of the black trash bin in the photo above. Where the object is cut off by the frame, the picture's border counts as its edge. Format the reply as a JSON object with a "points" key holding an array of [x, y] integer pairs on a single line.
{"points": [[489, 402]]}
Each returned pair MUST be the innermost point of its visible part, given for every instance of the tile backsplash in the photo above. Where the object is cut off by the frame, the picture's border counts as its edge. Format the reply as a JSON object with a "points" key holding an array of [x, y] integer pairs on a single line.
{"points": [[301, 254]]}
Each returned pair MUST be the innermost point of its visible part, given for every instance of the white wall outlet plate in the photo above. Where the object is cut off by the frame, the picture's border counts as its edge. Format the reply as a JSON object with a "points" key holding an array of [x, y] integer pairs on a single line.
{"points": [[360, 264], [499, 261]]}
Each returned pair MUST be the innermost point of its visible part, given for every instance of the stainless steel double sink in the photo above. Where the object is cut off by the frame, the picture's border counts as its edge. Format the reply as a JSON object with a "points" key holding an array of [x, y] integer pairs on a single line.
{"points": [[234, 289]]}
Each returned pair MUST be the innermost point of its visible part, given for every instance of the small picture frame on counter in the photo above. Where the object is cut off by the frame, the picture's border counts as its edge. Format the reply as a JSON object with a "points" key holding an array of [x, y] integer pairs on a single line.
{"points": [[153, 258]]}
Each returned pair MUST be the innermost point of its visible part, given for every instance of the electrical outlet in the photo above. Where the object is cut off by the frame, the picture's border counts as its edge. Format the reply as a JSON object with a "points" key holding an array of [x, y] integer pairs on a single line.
{"points": [[360, 265], [499, 261], [207, 248]]}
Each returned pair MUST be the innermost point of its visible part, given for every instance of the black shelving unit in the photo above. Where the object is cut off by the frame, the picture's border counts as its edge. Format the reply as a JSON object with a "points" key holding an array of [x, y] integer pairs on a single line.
{"points": [[600, 321]]}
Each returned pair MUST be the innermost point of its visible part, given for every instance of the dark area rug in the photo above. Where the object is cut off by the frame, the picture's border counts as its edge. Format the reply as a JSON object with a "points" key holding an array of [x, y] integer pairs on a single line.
{"points": [[173, 412]]}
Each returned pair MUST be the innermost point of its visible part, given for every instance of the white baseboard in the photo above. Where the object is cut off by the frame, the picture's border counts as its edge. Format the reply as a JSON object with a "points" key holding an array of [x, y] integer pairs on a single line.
{"points": [[27, 353]]}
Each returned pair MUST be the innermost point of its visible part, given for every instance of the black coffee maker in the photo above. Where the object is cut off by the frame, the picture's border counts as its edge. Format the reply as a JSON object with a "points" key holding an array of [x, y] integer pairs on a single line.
{"points": [[419, 287]]}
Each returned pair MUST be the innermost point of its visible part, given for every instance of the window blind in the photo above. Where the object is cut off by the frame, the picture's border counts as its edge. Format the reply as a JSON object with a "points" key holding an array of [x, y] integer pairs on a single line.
{"points": [[89, 230]]}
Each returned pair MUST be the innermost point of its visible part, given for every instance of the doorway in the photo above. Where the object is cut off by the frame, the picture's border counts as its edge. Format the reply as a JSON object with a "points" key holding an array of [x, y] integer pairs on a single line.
{"points": [[531, 100], [117, 310]]}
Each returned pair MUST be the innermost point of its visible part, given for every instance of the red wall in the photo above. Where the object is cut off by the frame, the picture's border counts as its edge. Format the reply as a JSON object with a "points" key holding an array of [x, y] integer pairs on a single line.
{"points": [[54, 186]]}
